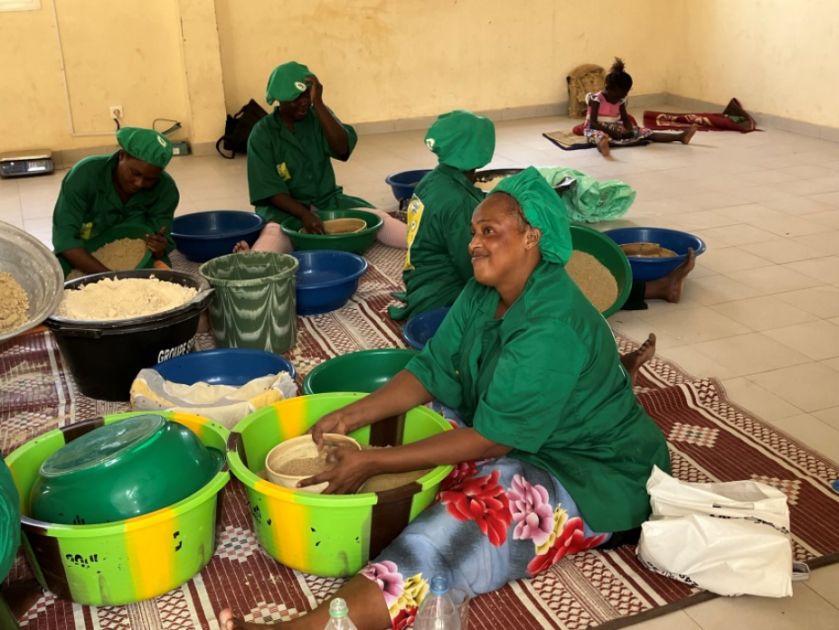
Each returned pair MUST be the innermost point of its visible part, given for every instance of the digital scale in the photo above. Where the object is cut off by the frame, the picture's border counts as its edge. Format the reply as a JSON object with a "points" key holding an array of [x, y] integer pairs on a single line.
{"points": [[25, 163]]}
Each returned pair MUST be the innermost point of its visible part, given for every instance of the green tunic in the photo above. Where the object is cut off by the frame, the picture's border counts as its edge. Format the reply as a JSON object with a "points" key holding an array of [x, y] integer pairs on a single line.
{"points": [[546, 380], [437, 263], [89, 204], [296, 163]]}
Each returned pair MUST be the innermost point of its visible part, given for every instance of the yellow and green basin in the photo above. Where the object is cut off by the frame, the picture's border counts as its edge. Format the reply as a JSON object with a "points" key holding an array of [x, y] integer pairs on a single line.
{"points": [[328, 535], [123, 561]]}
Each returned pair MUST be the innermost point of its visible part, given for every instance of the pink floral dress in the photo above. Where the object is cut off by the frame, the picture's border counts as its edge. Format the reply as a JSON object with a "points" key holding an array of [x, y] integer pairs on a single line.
{"points": [[494, 521], [608, 115]]}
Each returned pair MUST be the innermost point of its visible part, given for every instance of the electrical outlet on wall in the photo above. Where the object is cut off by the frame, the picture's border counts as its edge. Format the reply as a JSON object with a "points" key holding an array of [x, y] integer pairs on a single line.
{"points": [[116, 112]]}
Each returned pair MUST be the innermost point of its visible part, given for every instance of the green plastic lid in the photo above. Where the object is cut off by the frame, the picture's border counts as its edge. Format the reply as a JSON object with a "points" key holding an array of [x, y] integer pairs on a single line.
{"points": [[102, 445]]}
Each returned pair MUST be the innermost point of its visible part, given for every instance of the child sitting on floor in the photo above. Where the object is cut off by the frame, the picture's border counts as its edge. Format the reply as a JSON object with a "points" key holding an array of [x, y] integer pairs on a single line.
{"points": [[608, 123]]}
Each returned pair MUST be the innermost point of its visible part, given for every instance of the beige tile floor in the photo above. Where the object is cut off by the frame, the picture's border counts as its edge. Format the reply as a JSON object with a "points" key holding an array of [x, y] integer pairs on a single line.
{"points": [[760, 312]]}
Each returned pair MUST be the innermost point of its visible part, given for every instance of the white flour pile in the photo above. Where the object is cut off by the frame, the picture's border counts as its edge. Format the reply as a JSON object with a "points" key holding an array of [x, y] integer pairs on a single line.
{"points": [[123, 299]]}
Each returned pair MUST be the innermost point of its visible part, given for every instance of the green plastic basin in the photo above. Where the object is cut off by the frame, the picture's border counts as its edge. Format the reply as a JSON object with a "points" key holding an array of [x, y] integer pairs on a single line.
{"points": [[357, 242], [124, 561], [122, 470], [362, 371], [610, 255], [328, 535]]}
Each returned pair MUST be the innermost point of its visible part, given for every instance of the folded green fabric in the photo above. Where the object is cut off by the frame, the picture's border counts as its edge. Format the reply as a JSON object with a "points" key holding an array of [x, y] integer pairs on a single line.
{"points": [[590, 200]]}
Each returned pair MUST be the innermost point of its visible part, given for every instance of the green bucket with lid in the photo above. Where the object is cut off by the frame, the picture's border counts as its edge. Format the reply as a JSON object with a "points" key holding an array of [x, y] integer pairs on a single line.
{"points": [[254, 303], [128, 560], [122, 470]]}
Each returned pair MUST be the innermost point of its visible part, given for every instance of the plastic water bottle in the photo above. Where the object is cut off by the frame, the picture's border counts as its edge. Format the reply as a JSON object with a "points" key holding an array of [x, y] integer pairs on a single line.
{"points": [[438, 611], [339, 618]]}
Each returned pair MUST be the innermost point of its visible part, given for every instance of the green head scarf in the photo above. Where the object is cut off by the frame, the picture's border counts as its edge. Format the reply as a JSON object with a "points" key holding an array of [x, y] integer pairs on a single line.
{"points": [[287, 82], [543, 209], [462, 140], [146, 145]]}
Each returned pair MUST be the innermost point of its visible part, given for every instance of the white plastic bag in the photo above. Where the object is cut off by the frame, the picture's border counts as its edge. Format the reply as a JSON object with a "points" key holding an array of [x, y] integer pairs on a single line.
{"points": [[729, 538], [226, 404]]}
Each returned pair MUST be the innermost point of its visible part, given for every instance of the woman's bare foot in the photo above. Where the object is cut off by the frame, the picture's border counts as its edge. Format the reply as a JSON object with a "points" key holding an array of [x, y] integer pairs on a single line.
{"points": [[603, 146], [688, 134], [669, 287], [632, 361], [363, 597], [241, 246]]}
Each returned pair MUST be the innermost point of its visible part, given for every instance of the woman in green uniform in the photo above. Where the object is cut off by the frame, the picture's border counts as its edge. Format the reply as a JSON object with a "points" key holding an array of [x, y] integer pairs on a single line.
{"points": [[437, 264], [103, 191], [290, 154], [552, 451]]}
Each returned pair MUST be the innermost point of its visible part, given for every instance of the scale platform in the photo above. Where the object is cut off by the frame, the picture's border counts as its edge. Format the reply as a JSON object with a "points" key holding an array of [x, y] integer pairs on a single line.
{"points": [[26, 163]]}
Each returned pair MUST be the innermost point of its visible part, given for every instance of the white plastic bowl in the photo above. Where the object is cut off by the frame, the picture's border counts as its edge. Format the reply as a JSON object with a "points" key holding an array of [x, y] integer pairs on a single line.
{"points": [[301, 447]]}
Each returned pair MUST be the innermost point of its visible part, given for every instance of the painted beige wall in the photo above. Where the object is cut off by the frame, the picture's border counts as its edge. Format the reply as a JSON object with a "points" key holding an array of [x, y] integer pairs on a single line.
{"points": [[384, 60], [31, 88], [777, 56], [114, 53], [202, 68]]}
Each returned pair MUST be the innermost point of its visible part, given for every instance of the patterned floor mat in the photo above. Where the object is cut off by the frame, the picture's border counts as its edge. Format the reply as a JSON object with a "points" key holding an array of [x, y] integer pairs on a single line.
{"points": [[710, 439]]}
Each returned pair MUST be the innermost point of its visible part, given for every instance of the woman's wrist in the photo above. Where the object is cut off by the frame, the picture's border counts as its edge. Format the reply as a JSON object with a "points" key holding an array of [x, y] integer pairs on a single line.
{"points": [[373, 462], [350, 419]]}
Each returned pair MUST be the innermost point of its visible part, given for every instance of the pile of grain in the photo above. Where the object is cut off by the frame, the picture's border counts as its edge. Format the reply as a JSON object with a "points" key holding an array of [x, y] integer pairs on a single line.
{"points": [[380, 483], [645, 249], [345, 225], [14, 306], [303, 466], [595, 281], [110, 299], [122, 254]]}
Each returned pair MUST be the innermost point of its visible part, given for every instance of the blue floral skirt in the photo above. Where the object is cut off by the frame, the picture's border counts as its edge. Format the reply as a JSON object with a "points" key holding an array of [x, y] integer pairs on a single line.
{"points": [[494, 521]]}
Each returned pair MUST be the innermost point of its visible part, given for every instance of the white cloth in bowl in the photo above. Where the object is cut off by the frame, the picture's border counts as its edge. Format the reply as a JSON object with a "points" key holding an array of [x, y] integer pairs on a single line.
{"points": [[226, 404]]}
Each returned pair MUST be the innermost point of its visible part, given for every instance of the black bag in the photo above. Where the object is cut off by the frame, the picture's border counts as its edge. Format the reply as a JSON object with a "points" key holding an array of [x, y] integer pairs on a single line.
{"points": [[237, 128]]}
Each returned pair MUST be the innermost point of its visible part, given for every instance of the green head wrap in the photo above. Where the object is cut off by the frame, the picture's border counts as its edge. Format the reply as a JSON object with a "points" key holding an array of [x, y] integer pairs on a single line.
{"points": [[462, 140], [543, 209], [146, 145], [287, 82]]}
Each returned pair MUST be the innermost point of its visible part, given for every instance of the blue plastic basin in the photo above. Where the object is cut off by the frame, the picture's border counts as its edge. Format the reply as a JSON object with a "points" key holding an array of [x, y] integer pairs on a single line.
{"points": [[202, 236], [420, 328], [326, 279], [654, 268], [403, 183], [224, 366]]}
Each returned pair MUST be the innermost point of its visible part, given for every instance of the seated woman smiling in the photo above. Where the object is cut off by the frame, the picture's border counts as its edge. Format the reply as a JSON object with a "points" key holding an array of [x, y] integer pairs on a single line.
{"points": [[552, 450]]}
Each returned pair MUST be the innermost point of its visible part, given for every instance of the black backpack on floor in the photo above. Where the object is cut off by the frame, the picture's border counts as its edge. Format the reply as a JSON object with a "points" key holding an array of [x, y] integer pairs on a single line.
{"points": [[237, 128]]}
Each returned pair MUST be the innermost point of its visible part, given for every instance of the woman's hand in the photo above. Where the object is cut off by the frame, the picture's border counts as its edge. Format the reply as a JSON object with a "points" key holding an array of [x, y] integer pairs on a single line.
{"points": [[157, 243], [350, 470], [315, 90], [312, 223], [334, 422]]}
